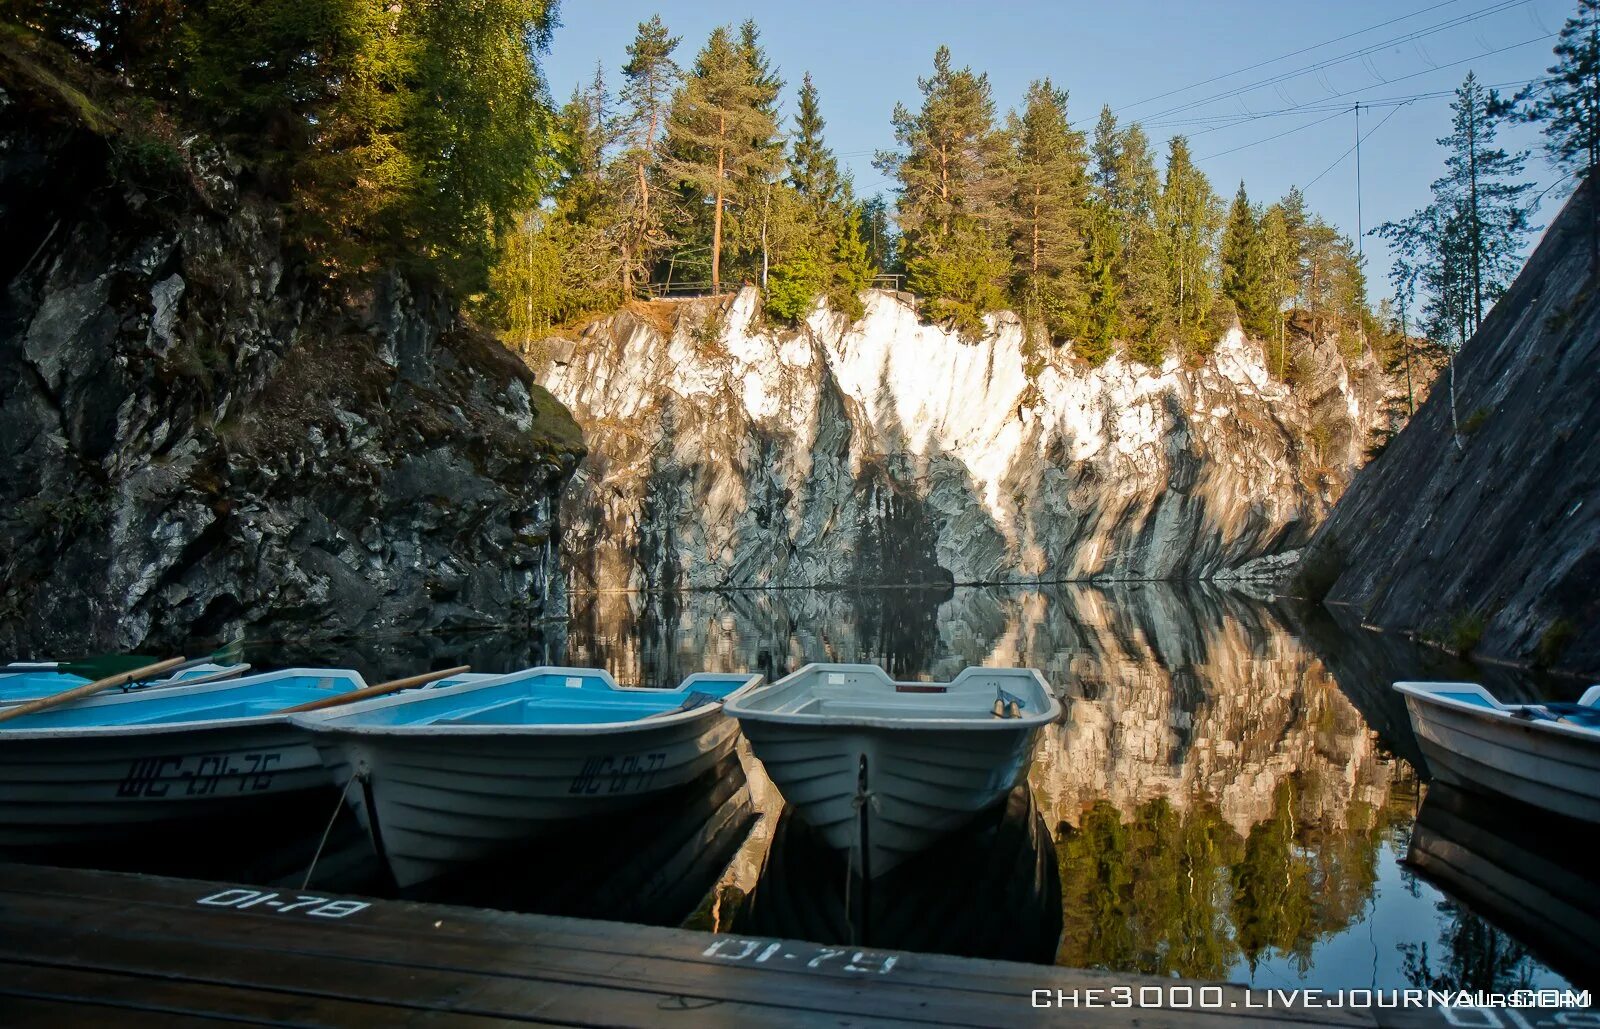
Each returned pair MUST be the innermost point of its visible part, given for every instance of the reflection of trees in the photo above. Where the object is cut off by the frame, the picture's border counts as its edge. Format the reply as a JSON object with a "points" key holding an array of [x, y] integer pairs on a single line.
{"points": [[1180, 892], [1472, 955], [1147, 895]]}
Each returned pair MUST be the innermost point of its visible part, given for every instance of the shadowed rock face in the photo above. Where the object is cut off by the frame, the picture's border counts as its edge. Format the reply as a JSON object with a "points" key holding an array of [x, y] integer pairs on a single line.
{"points": [[198, 442], [725, 454], [1501, 536]]}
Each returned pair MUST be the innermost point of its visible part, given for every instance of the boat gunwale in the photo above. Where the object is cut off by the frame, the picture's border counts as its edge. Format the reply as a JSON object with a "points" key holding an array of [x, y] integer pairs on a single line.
{"points": [[334, 721], [65, 732], [965, 723], [1499, 713]]}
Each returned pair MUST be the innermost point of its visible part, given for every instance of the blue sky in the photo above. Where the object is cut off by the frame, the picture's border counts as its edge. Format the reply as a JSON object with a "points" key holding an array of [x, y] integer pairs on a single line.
{"points": [[866, 56]]}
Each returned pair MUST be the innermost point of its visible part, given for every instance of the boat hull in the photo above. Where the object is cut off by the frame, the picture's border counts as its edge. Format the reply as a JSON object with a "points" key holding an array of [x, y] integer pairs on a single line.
{"points": [[921, 783], [446, 800], [64, 789], [1525, 760]]}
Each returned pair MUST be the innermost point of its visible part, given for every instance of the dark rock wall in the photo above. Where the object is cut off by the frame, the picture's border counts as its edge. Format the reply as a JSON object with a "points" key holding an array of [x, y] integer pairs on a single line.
{"points": [[1495, 545], [196, 440]]}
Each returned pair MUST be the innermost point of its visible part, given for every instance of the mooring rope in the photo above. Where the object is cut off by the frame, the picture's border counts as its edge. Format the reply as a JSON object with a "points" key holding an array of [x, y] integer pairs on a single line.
{"points": [[339, 806], [860, 800]]}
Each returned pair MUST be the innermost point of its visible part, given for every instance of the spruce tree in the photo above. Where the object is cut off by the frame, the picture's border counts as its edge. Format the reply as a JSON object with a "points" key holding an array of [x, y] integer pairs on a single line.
{"points": [[814, 171], [720, 136], [1568, 105], [1245, 275], [1102, 320], [1481, 181], [649, 78], [951, 167], [1047, 211]]}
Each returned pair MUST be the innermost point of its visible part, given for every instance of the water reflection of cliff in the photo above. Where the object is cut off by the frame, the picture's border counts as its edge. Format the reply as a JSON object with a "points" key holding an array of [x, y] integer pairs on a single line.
{"points": [[1219, 798], [1227, 791]]}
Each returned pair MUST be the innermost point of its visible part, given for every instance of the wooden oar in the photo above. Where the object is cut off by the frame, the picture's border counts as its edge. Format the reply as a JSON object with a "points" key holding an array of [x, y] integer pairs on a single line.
{"points": [[373, 691], [88, 689]]}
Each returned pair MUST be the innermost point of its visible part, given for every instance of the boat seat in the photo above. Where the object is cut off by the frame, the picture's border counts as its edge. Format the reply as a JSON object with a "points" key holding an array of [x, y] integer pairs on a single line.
{"points": [[1582, 714], [696, 698]]}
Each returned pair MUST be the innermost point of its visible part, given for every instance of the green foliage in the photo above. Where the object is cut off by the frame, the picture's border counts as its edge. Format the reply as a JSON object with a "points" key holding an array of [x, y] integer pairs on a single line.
{"points": [[795, 285], [1465, 632], [1247, 269], [1553, 643], [396, 134], [951, 168], [722, 145], [1467, 241], [1048, 212], [1188, 219], [649, 78], [1567, 104], [1475, 420]]}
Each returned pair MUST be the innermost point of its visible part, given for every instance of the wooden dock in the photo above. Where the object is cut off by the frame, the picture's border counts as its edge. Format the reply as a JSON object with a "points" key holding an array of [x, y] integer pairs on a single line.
{"points": [[105, 948]]}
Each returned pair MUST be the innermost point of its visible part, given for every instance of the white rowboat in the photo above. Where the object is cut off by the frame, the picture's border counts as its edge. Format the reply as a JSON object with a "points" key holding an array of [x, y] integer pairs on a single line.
{"points": [[98, 768], [479, 765], [1547, 755], [882, 768]]}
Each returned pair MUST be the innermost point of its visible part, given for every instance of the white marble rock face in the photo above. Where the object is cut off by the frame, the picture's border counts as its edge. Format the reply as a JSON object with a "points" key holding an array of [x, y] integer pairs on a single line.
{"points": [[728, 453]]}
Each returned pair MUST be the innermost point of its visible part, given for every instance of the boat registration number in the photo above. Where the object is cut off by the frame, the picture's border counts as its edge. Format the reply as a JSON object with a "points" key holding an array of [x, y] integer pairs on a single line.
{"points": [[610, 773], [316, 907], [197, 775], [803, 955]]}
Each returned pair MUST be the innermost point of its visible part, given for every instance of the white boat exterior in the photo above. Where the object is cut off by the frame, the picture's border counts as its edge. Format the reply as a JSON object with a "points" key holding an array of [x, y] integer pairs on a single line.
{"points": [[452, 781], [932, 755], [1474, 742], [67, 781]]}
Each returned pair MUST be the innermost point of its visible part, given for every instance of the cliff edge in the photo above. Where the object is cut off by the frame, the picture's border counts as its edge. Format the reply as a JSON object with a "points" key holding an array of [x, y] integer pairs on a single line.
{"points": [[202, 440]]}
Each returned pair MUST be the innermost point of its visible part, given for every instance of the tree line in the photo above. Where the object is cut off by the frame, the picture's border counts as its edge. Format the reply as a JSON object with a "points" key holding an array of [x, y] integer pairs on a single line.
{"points": [[687, 176], [394, 134], [1458, 254]]}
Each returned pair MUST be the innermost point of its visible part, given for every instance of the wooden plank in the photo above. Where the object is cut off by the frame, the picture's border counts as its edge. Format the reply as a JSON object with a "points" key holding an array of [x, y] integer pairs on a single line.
{"points": [[137, 997], [478, 979], [425, 958], [31, 1013], [1007, 980]]}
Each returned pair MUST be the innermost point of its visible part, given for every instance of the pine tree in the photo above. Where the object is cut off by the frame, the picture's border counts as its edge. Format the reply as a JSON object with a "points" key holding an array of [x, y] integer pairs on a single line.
{"points": [[1188, 219], [650, 77], [1047, 209], [1568, 105], [1480, 181], [1246, 279], [951, 168], [720, 134]]}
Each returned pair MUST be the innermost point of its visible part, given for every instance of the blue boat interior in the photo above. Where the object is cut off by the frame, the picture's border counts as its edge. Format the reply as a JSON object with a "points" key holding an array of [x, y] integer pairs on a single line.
{"points": [[239, 698], [20, 686], [548, 697], [1581, 714]]}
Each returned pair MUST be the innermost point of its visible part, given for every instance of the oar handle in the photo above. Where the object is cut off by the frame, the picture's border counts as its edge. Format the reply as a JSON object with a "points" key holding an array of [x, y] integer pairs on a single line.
{"points": [[374, 691], [88, 689]]}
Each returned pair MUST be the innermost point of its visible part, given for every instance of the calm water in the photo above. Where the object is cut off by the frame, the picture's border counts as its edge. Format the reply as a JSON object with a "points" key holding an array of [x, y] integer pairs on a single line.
{"points": [[1233, 794]]}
